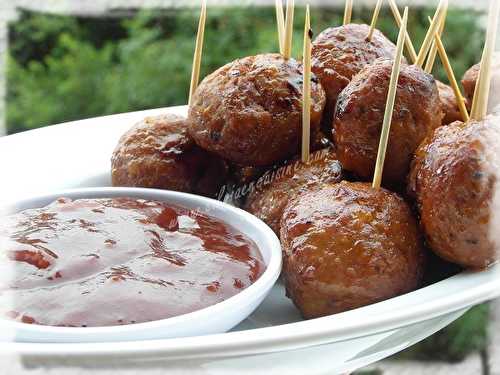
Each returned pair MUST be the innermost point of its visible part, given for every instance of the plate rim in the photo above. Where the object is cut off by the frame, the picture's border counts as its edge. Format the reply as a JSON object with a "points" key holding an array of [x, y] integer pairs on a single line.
{"points": [[267, 339], [292, 335]]}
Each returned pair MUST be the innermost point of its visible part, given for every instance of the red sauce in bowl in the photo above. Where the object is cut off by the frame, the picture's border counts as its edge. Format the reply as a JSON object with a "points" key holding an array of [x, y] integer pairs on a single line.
{"points": [[105, 262]]}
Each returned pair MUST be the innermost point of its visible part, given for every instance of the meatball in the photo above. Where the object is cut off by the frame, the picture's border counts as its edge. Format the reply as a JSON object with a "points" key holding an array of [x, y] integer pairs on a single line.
{"points": [[158, 153], [453, 178], [469, 83], [244, 175], [290, 180], [346, 246], [360, 113], [250, 110], [241, 175], [339, 53], [448, 104], [470, 78]]}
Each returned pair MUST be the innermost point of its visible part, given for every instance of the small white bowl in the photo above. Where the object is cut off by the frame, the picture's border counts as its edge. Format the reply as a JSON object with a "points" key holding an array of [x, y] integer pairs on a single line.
{"points": [[217, 318]]}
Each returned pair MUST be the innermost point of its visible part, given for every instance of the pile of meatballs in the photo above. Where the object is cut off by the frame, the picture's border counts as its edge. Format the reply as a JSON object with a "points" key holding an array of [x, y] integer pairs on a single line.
{"points": [[345, 244]]}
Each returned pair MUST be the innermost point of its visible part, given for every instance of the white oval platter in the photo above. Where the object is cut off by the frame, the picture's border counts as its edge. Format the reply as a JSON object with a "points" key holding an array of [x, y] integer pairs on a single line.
{"points": [[274, 338]]}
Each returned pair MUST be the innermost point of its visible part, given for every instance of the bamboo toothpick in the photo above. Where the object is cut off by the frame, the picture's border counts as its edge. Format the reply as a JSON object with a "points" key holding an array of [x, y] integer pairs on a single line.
{"points": [[452, 79], [475, 101], [408, 42], [348, 12], [451, 76], [287, 43], [429, 65], [389, 107], [280, 22], [306, 89], [373, 24], [481, 96], [195, 72], [429, 37]]}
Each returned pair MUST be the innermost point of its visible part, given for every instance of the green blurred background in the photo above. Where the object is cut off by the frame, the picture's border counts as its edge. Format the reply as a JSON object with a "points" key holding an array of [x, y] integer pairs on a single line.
{"points": [[65, 68]]}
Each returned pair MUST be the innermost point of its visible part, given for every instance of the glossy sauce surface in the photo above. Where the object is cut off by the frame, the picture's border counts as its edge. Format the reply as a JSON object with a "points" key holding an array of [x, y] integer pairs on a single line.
{"points": [[103, 262]]}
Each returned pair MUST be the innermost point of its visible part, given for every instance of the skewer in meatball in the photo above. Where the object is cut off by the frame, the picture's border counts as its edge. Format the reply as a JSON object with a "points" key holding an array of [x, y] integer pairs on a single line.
{"points": [[250, 110], [158, 153], [360, 112], [448, 104], [470, 78], [339, 53], [454, 177], [268, 202], [348, 245]]}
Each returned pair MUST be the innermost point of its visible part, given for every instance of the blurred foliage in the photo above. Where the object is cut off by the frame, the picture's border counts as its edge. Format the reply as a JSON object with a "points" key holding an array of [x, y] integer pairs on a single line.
{"points": [[64, 68], [452, 344], [369, 372]]}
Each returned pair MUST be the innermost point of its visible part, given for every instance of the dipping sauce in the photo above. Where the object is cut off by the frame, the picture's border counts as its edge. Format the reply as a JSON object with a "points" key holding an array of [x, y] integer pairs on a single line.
{"points": [[104, 262]]}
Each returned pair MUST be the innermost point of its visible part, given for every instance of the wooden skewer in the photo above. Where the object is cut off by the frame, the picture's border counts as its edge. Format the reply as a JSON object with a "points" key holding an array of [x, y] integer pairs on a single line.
{"points": [[429, 37], [475, 100], [373, 24], [287, 43], [429, 65], [408, 42], [306, 89], [348, 12], [280, 22], [389, 107], [480, 104], [195, 72], [451, 78]]}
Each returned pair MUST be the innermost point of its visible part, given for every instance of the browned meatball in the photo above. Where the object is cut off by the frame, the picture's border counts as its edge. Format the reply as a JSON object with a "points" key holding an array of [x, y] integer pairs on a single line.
{"points": [[346, 246], [469, 83], [158, 153], [470, 78], [250, 110], [454, 177], [360, 113], [244, 175], [339, 53], [268, 202], [448, 104], [241, 175]]}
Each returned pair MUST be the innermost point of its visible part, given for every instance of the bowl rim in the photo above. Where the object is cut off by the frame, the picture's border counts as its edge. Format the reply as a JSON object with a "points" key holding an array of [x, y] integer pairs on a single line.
{"points": [[265, 282]]}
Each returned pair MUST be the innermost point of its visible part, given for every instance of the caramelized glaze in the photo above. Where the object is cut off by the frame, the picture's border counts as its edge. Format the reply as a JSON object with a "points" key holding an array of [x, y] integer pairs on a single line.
{"points": [[347, 245], [454, 180], [359, 117], [250, 110]]}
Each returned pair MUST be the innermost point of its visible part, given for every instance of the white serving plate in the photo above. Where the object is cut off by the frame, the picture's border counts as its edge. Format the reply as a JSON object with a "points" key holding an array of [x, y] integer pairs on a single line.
{"points": [[273, 339], [218, 318]]}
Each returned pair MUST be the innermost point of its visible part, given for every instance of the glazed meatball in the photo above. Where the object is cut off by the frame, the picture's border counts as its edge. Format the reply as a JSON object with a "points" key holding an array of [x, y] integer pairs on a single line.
{"points": [[250, 110], [268, 202], [470, 78], [158, 153], [346, 246], [241, 175], [339, 53], [360, 113], [469, 83], [244, 175], [448, 104], [454, 177]]}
